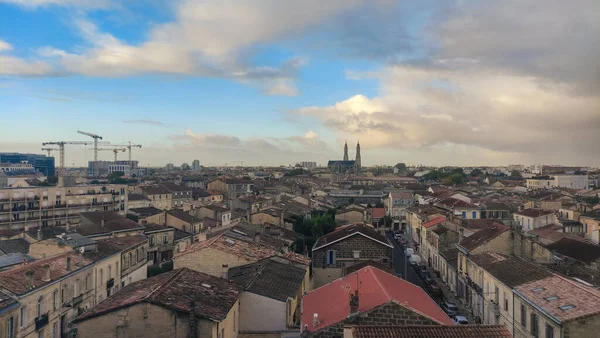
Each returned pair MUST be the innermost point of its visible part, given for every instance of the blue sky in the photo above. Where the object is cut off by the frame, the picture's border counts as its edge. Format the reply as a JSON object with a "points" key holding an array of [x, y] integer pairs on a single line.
{"points": [[272, 82]]}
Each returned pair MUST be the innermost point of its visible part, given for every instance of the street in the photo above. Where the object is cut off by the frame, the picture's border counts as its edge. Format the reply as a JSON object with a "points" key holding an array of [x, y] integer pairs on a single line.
{"points": [[399, 263]]}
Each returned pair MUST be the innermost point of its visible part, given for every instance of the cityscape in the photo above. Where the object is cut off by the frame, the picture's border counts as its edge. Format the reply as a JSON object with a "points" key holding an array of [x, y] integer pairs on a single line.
{"points": [[299, 169]]}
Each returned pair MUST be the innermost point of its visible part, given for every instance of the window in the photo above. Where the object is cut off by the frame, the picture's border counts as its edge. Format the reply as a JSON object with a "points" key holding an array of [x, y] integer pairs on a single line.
{"points": [[496, 295], [101, 276], [534, 325], [109, 272], [567, 307], [165, 239], [152, 240], [523, 316], [55, 299], [117, 270], [356, 254], [474, 214], [23, 316], [55, 330], [41, 333], [330, 259], [63, 296], [464, 214], [549, 331], [551, 298], [10, 327], [76, 288], [234, 321], [40, 307]]}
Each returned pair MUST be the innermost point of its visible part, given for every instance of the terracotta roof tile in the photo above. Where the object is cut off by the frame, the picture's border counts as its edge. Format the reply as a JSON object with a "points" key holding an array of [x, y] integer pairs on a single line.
{"points": [[376, 288], [577, 249], [483, 236], [512, 271], [434, 222], [213, 297], [431, 331], [349, 230], [534, 212], [269, 278]]}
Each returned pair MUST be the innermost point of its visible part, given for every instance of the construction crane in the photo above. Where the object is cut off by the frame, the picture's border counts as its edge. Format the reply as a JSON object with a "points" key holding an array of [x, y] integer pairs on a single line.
{"points": [[50, 150], [129, 146], [61, 149], [96, 138], [114, 150]]}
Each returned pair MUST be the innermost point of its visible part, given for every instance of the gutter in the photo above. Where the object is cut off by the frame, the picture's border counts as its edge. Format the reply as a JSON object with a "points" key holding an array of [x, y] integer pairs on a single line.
{"points": [[554, 319]]}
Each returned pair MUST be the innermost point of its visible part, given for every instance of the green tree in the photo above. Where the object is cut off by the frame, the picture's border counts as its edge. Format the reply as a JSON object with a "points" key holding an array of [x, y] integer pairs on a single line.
{"points": [[515, 173], [387, 221], [401, 166], [476, 173]]}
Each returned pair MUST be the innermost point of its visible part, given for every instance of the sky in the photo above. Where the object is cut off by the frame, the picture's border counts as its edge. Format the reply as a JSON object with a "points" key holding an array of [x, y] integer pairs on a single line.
{"points": [[272, 82]]}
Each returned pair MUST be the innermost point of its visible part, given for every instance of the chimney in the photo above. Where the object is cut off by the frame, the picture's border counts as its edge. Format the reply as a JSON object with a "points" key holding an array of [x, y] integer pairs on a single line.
{"points": [[354, 302], [248, 218], [24, 261], [102, 222], [193, 331], [39, 234], [46, 273], [68, 263], [68, 227], [281, 220], [30, 275], [257, 237]]}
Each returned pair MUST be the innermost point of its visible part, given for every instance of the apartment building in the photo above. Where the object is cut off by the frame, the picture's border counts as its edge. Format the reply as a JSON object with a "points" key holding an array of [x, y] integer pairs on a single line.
{"points": [[34, 207], [531, 219], [230, 187], [578, 182], [166, 196]]}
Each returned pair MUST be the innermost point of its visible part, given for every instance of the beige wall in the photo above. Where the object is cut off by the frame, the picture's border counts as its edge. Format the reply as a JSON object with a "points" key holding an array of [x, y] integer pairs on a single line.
{"points": [[47, 248], [262, 218], [350, 216], [259, 313], [103, 272], [524, 330], [322, 276], [587, 327], [209, 261], [592, 227]]}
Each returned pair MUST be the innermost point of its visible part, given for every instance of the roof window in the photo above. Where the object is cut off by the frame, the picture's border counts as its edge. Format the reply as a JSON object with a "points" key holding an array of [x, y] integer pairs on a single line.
{"points": [[567, 307], [551, 298], [538, 290]]}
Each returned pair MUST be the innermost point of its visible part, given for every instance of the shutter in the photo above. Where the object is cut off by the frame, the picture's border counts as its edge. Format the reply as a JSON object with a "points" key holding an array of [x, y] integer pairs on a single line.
{"points": [[332, 257], [328, 258]]}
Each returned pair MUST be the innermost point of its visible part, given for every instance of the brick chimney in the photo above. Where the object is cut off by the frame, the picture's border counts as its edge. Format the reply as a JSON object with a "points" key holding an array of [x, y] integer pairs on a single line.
{"points": [[46, 273], [68, 263], [354, 302]]}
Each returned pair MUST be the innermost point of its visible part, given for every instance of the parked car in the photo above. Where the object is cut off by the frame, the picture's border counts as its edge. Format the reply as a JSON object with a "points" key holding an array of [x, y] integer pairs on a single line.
{"points": [[424, 275], [450, 308], [460, 320], [435, 290], [428, 281]]}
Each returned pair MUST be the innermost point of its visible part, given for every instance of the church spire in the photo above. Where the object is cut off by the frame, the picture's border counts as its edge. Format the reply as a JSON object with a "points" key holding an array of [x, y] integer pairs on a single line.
{"points": [[346, 151], [357, 163]]}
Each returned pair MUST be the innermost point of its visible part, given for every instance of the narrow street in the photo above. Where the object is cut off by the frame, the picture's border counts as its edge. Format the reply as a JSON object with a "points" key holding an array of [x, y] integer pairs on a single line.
{"points": [[400, 264]]}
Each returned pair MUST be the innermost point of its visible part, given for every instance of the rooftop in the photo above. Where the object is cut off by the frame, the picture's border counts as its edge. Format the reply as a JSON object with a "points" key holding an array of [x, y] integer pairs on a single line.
{"points": [[483, 236], [351, 230], [18, 245], [511, 271], [431, 331], [136, 197], [434, 222], [13, 259], [212, 296], [534, 212], [377, 212], [269, 278], [573, 300], [363, 264], [184, 216], [145, 212], [456, 203], [376, 288], [153, 227], [577, 249], [92, 225]]}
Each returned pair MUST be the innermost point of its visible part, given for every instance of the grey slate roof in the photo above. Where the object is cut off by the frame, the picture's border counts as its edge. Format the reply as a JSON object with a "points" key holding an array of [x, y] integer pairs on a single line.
{"points": [[184, 216], [145, 212], [11, 259], [18, 245], [269, 278]]}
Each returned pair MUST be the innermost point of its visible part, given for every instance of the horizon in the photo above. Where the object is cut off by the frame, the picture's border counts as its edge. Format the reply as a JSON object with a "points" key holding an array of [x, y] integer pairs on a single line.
{"points": [[272, 83]]}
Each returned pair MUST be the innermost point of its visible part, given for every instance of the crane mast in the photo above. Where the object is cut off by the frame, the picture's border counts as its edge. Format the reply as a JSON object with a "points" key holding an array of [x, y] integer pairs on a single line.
{"points": [[96, 138]]}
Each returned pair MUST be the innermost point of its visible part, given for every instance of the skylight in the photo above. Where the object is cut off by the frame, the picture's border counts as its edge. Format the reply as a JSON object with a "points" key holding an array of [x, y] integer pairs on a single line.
{"points": [[567, 307], [551, 298], [536, 290]]}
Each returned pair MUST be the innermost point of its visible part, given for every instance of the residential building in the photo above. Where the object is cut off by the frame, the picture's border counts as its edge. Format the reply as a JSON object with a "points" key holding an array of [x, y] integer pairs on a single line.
{"points": [[308, 165], [438, 240], [421, 331], [398, 201], [556, 307], [196, 165], [270, 302], [251, 203], [346, 246], [352, 214], [166, 196], [138, 201], [591, 225], [459, 207], [220, 214], [194, 182], [530, 219], [535, 183], [230, 187], [35, 207], [161, 242], [371, 296], [180, 303], [180, 194], [106, 224], [578, 182]]}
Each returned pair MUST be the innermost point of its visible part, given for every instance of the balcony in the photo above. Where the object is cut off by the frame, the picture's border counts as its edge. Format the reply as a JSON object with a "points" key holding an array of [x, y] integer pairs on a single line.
{"points": [[110, 283], [495, 308], [41, 321], [77, 300]]}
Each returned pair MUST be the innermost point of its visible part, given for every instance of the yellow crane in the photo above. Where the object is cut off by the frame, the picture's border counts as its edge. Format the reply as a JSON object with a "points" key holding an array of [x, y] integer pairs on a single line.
{"points": [[129, 146], [114, 150]]}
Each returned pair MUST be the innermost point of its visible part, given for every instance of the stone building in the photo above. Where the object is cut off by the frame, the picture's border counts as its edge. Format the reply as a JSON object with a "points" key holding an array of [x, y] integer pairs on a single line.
{"points": [[346, 246]]}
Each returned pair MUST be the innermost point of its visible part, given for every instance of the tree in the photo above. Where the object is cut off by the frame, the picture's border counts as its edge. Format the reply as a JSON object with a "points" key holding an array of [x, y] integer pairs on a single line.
{"points": [[401, 166], [476, 172], [185, 166], [515, 173], [386, 221]]}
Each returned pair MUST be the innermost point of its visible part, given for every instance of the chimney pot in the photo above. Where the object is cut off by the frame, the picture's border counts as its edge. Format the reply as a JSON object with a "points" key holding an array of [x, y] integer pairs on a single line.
{"points": [[68, 263], [102, 222], [39, 234]]}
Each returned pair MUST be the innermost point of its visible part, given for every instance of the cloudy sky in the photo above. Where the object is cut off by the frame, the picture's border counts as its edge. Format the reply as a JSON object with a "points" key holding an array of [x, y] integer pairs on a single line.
{"points": [[278, 82]]}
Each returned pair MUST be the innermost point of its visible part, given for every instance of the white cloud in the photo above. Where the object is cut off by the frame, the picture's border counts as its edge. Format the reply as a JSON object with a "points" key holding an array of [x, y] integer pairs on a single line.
{"points": [[282, 88], [5, 46]]}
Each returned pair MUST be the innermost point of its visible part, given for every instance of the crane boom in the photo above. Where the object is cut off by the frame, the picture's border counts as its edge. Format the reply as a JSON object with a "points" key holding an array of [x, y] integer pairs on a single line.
{"points": [[114, 150], [129, 146], [96, 138], [50, 150], [61, 149]]}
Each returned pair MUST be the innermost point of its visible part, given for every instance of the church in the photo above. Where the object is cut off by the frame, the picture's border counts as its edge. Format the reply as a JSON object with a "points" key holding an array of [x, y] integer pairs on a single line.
{"points": [[346, 166]]}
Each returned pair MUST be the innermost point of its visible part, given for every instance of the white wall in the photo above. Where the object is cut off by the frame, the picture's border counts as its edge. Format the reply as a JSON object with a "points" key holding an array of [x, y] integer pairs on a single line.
{"points": [[259, 313], [136, 275]]}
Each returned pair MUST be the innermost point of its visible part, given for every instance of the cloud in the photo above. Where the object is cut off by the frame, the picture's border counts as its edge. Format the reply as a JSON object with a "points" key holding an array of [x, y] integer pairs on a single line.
{"points": [[147, 122], [5, 46], [282, 89]]}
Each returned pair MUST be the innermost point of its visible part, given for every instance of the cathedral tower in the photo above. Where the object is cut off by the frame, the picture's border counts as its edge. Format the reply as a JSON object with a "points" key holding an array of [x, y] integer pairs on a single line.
{"points": [[357, 163], [346, 151]]}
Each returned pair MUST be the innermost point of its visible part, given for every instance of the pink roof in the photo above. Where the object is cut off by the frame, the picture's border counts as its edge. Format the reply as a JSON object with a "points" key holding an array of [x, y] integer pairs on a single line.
{"points": [[332, 301], [434, 221]]}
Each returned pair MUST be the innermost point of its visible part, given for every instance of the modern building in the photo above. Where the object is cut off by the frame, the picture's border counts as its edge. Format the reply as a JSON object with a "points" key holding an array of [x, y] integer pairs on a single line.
{"points": [[308, 165], [170, 166], [109, 167], [41, 163], [577, 182], [196, 165], [34, 207]]}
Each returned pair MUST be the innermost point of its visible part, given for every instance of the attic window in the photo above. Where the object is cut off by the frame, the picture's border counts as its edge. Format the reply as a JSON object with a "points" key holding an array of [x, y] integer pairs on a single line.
{"points": [[230, 241], [538, 290], [551, 298], [208, 286], [567, 307]]}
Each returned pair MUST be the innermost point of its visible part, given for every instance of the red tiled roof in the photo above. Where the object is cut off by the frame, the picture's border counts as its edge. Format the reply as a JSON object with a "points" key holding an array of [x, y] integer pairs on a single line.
{"points": [[377, 212], [455, 202], [483, 236], [376, 288], [434, 221], [431, 331]]}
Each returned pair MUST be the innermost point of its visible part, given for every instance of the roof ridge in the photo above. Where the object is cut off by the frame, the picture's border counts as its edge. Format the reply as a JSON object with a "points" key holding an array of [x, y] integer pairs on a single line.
{"points": [[167, 281], [387, 295], [582, 287]]}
